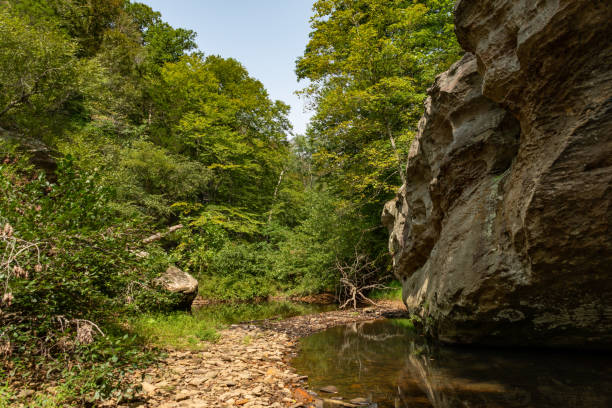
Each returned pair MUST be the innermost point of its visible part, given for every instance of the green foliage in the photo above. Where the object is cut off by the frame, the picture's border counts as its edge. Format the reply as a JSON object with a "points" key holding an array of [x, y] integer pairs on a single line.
{"points": [[307, 254], [67, 266], [393, 292], [213, 112], [74, 241], [370, 63], [165, 43], [37, 78], [238, 271], [232, 219], [147, 133], [91, 374], [86, 21], [176, 330], [237, 312], [154, 179]]}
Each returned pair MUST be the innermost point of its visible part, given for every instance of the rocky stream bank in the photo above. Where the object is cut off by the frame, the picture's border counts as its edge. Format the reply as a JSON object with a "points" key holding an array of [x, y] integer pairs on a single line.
{"points": [[250, 366]]}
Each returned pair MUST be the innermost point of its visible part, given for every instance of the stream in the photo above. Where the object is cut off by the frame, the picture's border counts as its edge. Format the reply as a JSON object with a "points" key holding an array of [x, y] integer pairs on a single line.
{"points": [[389, 364]]}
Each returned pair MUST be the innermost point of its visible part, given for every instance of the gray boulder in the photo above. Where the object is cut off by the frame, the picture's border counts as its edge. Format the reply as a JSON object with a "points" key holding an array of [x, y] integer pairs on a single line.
{"points": [[177, 281]]}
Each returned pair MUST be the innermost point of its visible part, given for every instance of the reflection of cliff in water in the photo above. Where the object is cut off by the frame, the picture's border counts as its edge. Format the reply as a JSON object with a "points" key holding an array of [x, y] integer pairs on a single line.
{"points": [[395, 367]]}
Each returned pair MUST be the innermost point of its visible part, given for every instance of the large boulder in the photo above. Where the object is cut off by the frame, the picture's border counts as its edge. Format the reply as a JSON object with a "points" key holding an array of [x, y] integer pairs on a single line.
{"points": [[501, 234], [180, 282]]}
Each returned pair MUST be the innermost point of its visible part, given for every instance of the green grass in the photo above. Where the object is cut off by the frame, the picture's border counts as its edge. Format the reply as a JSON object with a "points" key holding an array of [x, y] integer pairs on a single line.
{"points": [[6, 396], [193, 331], [176, 330], [231, 313], [393, 293]]}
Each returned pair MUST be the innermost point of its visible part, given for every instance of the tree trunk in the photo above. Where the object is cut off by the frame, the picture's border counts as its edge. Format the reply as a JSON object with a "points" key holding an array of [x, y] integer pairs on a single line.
{"points": [[280, 180], [397, 155]]}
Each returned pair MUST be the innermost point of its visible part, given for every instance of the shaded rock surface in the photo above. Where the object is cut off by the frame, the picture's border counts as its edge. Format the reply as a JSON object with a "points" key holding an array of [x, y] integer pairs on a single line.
{"points": [[501, 234], [177, 281]]}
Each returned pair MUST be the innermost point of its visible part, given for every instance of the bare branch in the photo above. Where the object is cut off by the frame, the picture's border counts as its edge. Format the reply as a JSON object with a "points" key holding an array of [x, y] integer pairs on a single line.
{"points": [[160, 235], [356, 279]]}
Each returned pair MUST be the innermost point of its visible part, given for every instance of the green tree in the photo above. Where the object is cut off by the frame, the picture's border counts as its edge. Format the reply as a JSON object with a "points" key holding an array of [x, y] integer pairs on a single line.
{"points": [[167, 44], [87, 21], [84, 20], [212, 111], [143, 15], [370, 63], [38, 79]]}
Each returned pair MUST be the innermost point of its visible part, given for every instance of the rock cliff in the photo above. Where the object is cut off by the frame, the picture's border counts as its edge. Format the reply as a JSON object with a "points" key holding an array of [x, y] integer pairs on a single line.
{"points": [[502, 232]]}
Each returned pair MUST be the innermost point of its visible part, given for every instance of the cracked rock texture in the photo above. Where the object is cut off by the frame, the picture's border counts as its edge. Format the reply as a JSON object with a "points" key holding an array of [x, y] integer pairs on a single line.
{"points": [[501, 234], [177, 281]]}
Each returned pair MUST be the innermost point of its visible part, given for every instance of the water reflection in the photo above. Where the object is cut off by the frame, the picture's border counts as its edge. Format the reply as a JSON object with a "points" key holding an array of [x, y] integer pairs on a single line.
{"points": [[391, 365]]}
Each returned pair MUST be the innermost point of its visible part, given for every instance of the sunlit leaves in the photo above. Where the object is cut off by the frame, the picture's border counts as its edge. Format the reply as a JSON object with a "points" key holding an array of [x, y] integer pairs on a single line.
{"points": [[37, 69], [371, 62], [212, 111]]}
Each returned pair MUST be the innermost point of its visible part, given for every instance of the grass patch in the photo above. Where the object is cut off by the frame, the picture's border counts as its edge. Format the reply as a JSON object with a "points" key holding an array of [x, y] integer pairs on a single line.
{"points": [[7, 396], [232, 313], [192, 331], [393, 293], [176, 330]]}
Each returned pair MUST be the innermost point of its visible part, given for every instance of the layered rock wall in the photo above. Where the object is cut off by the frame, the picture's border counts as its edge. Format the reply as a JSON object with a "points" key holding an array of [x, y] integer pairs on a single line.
{"points": [[501, 234]]}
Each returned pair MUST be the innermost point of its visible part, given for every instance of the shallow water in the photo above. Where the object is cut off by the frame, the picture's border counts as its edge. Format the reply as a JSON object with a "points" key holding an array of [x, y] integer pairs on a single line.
{"points": [[388, 363], [232, 313]]}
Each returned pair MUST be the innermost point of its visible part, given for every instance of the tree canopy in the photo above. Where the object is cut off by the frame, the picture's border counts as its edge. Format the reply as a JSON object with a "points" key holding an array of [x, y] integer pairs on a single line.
{"points": [[370, 63]]}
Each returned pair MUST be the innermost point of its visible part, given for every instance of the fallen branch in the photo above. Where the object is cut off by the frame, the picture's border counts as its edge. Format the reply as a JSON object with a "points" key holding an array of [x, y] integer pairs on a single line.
{"points": [[12, 262], [357, 279], [160, 235], [85, 332]]}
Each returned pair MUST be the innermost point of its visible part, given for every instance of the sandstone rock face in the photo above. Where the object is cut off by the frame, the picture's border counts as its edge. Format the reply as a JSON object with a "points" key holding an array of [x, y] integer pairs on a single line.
{"points": [[178, 281], [502, 232]]}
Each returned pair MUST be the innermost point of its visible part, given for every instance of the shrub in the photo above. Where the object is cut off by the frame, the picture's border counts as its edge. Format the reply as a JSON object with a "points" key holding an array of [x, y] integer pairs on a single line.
{"points": [[69, 266]]}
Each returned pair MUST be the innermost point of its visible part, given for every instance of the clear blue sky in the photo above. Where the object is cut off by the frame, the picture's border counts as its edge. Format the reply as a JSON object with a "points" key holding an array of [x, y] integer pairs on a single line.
{"points": [[266, 36]]}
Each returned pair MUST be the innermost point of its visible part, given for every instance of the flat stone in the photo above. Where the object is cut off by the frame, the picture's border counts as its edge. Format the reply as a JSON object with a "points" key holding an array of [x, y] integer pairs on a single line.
{"points": [[25, 393], [148, 388], [330, 389]]}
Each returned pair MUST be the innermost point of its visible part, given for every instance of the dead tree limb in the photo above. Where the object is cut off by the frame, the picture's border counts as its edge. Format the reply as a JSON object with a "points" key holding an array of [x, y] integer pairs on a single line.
{"points": [[160, 235], [357, 279]]}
